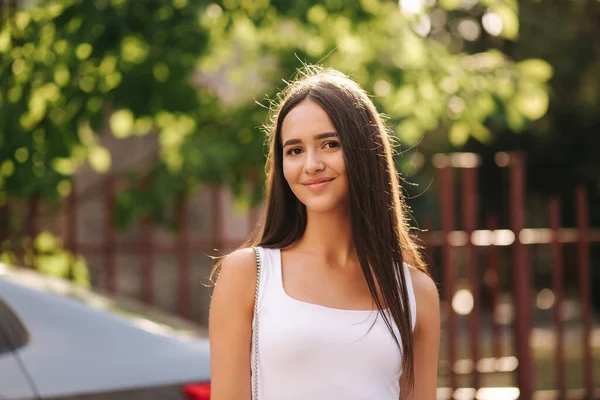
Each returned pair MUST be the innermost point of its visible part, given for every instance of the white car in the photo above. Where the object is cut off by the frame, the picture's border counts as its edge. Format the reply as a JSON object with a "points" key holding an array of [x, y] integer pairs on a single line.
{"points": [[59, 341]]}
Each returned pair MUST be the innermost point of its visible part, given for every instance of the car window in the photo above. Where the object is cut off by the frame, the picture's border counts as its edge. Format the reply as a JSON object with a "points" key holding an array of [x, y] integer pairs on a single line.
{"points": [[13, 333]]}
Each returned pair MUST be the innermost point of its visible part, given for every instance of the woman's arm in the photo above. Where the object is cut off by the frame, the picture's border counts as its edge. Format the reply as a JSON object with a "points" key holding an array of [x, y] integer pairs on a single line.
{"points": [[230, 327], [426, 336]]}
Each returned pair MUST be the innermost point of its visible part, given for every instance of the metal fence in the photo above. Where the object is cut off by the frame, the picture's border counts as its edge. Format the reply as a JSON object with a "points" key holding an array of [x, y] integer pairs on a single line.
{"points": [[483, 253], [482, 249]]}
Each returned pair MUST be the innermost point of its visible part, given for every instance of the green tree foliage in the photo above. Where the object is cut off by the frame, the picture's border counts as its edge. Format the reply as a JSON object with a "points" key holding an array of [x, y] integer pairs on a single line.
{"points": [[192, 73], [68, 66], [47, 254], [562, 146], [421, 85]]}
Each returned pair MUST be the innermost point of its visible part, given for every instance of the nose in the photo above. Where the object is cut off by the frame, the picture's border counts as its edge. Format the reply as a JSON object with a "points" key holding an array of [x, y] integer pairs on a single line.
{"points": [[313, 163]]}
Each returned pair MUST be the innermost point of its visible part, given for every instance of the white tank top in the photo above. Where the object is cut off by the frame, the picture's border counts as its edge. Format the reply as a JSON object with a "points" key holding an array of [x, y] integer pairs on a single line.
{"points": [[308, 351]]}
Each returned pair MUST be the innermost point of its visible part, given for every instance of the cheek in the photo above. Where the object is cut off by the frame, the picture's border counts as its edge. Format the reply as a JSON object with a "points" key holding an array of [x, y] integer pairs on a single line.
{"points": [[289, 170], [340, 164]]}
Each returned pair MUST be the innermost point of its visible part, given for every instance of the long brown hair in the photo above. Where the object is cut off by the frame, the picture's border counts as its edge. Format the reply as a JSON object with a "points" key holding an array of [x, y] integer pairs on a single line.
{"points": [[377, 210]]}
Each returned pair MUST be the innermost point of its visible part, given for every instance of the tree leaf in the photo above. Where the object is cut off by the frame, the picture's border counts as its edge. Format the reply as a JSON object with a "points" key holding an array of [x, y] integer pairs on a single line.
{"points": [[46, 242], [121, 123], [99, 159], [535, 68], [480, 132], [510, 21], [459, 133], [533, 104], [409, 132], [514, 119], [450, 5]]}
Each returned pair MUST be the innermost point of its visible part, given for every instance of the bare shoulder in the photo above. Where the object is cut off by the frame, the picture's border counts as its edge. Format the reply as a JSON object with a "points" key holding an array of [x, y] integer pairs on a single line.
{"points": [[242, 261], [237, 276], [423, 284], [426, 296]]}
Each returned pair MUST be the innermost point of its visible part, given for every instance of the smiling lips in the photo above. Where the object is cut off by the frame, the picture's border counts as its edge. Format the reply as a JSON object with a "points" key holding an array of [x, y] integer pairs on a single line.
{"points": [[317, 184]]}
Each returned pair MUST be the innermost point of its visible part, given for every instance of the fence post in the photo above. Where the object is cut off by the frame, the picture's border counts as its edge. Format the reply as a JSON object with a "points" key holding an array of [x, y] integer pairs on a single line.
{"points": [[34, 213], [110, 278], [218, 218], [147, 250], [447, 224], [183, 245], [494, 283], [470, 210], [253, 220], [71, 224], [583, 258], [557, 282], [521, 278], [428, 250], [3, 225], [71, 220], [147, 258]]}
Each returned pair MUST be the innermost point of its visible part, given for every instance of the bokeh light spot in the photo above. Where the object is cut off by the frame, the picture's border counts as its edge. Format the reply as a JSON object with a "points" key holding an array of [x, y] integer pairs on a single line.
{"points": [[462, 302]]}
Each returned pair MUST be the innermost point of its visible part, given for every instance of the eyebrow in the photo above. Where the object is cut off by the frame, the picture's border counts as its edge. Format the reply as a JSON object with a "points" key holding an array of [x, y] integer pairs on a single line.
{"points": [[320, 136]]}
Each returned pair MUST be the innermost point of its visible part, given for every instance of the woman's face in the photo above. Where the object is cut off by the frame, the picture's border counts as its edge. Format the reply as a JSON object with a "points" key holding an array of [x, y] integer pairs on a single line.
{"points": [[313, 159]]}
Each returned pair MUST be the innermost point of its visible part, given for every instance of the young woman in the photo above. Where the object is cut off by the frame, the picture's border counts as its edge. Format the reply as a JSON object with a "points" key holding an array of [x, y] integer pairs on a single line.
{"points": [[346, 309]]}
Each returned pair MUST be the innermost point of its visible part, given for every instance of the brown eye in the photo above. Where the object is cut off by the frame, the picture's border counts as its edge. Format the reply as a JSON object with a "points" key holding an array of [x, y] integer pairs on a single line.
{"points": [[332, 144], [294, 152]]}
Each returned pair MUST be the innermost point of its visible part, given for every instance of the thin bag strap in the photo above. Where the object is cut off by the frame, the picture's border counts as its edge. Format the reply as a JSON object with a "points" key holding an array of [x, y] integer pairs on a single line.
{"points": [[255, 329]]}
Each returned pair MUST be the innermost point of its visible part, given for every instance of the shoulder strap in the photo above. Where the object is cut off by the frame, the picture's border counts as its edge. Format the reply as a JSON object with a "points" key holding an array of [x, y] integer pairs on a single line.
{"points": [[255, 329]]}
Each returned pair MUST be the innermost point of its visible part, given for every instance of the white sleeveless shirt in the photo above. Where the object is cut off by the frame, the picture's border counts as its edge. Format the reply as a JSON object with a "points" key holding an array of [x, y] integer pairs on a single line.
{"points": [[308, 351]]}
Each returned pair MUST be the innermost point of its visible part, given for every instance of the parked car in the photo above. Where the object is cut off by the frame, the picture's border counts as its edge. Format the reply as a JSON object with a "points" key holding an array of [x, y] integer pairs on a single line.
{"points": [[60, 341]]}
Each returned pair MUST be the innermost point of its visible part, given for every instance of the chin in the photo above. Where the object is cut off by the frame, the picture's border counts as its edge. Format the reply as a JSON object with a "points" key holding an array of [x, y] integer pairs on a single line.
{"points": [[323, 205]]}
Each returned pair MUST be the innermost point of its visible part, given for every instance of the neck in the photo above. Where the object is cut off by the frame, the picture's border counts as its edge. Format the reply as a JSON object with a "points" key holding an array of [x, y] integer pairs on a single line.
{"points": [[329, 235]]}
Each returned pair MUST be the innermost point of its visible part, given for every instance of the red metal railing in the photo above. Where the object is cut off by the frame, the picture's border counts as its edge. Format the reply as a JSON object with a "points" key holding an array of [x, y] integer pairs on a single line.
{"points": [[557, 286], [521, 278], [109, 249], [583, 252], [470, 224], [469, 244], [449, 240], [494, 285], [449, 279], [183, 253]]}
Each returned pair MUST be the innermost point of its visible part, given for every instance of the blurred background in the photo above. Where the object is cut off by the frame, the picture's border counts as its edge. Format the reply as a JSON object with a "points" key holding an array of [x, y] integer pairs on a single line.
{"points": [[132, 150]]}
